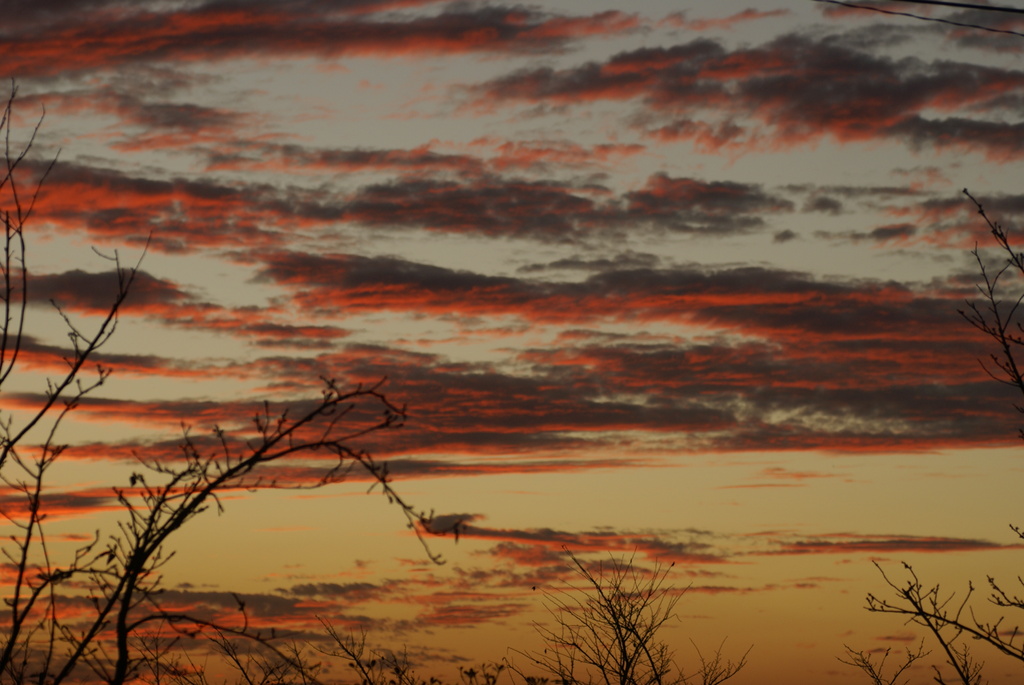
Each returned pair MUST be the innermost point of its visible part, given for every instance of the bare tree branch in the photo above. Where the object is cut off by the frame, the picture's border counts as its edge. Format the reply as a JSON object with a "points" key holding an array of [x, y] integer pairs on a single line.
{"points": [[606, 631], [47, 636]]}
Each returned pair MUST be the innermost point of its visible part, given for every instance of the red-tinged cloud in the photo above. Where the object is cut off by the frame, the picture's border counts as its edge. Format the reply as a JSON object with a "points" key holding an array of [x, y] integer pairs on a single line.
{"points": [[323, 282], [94, 293], [428, 468], [680, 20], [194, 214], [313, 469], [35, 356], [309, 469], [689, 552], [1001, 141], [519, 555], [624, 77], [440, 425], [842, 11], [69, 40], [163, 300], [477, 409], [61, 504], [165, 414], [539, 210], [542, 155], [298, 609], [624, 261], [784, 93], [993, 41], [32, 13], [497, 208], [850, 366], [172, 125], [496, 156], [349, 592], [469, 615], [779, 477], [755, 301], [284, 613], [824, 204], [887, 369], [557, 212], [849, 543], [296, 158], [708, 206], [800, 363], [690, 547], [952, 221], [888, 235], [148, 104], [180, 215]]}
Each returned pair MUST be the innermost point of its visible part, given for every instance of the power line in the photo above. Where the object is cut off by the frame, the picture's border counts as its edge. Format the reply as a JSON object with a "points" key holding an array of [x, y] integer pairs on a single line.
{"points": [[964, 5], [918, 16]]}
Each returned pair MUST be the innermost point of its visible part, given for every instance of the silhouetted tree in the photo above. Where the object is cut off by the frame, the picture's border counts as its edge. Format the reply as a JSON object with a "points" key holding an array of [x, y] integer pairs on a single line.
{"points": [[377, 666], [950, 619], [876, 671], [97, 615], [606, 631]]}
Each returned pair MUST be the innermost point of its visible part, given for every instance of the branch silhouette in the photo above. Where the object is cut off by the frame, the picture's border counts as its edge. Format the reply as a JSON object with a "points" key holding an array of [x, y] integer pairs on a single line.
{"points": [[952, 621], [98, 615]]}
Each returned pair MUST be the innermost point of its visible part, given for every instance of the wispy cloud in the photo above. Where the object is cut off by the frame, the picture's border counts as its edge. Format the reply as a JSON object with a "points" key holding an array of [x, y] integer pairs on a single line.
{"points": [[740, 92], [113, 34]]}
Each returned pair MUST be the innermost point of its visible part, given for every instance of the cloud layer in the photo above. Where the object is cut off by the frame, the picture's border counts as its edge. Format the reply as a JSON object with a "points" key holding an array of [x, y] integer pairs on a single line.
{"points": [[583, 245]]}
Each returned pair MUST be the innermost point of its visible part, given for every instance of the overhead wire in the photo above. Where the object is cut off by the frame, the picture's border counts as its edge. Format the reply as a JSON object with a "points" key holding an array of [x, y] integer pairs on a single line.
{"points": [[964, 5], [935, 19]]}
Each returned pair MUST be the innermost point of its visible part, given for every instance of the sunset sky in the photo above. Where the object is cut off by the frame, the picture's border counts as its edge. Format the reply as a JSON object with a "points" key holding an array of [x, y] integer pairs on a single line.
{"points": [[672, 277]]}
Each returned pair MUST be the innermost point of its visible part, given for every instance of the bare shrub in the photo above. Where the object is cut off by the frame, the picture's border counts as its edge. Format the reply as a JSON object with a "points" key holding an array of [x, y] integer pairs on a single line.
{"points": [[606, 631]]}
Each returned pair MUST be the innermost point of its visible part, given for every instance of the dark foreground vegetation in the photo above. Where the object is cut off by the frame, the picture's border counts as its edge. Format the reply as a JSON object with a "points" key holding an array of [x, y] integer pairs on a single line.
{"points": [[96, 614], [956, 632]]}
